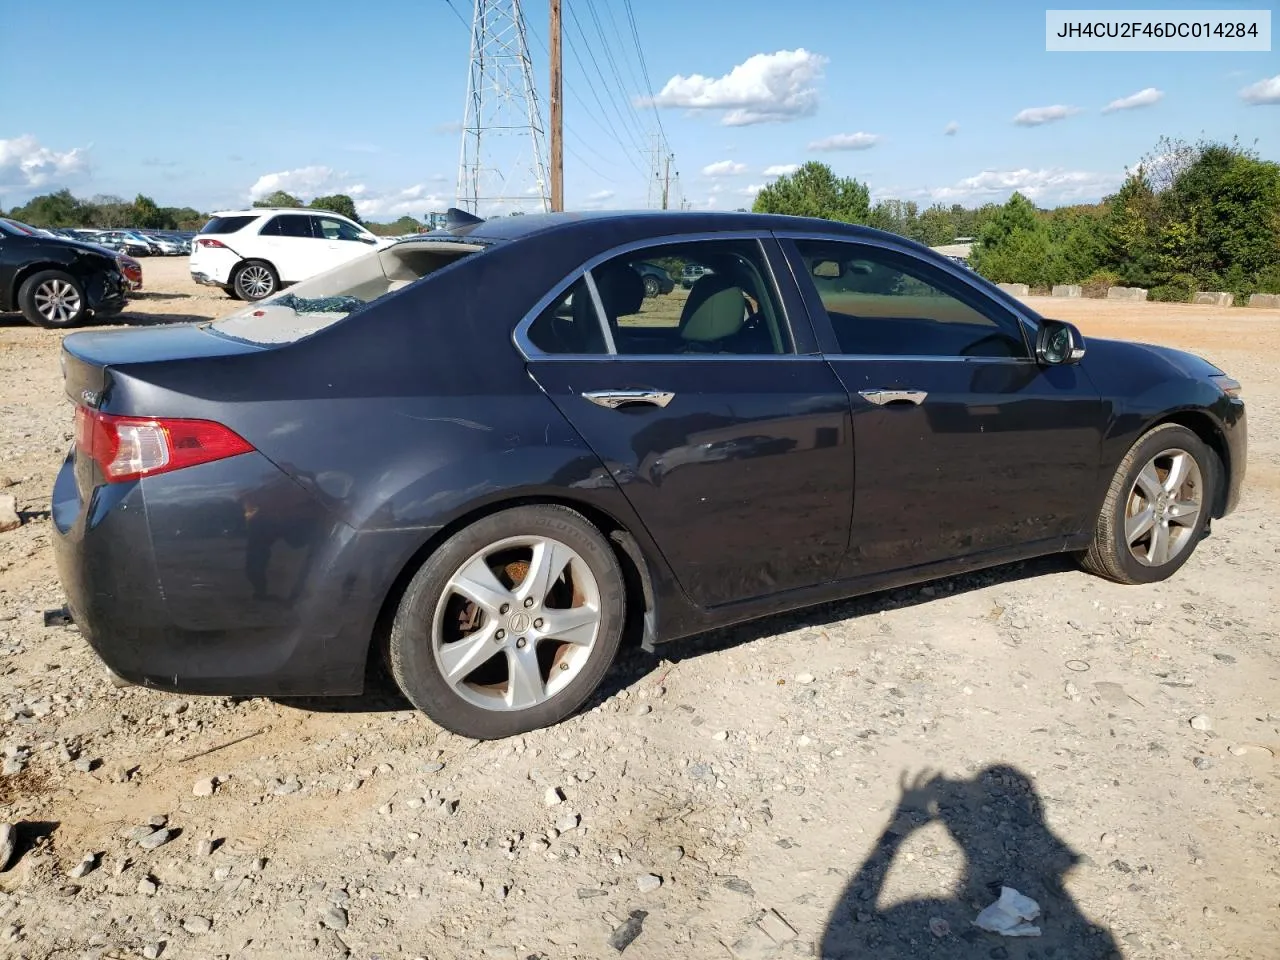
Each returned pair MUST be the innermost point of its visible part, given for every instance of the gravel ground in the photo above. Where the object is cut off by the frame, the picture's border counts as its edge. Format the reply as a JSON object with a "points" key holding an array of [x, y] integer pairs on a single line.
{"points": [[856, 780]]}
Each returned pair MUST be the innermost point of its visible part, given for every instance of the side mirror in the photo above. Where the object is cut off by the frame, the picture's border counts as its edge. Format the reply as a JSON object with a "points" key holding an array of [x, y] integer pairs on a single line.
{"points": [[1059, 343]]}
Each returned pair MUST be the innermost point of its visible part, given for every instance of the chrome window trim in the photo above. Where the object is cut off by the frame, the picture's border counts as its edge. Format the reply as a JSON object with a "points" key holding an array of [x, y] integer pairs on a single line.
{"points": [[520, 335], [1028, 324]]}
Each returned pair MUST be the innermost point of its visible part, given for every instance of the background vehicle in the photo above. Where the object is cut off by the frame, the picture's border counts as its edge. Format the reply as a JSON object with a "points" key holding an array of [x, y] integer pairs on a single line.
{"points": [[125, 243], [692, 273], [494, 483], [656, 280], [253, 253], [57, 282]]}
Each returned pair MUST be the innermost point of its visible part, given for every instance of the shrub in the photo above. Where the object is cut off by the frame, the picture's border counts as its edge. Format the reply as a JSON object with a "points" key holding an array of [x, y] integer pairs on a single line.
{"points": [[1180, 289], [1095, 285]]}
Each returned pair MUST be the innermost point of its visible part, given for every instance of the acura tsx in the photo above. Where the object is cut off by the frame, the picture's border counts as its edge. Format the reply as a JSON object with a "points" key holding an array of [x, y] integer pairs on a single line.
{"points": [[486, 456]]}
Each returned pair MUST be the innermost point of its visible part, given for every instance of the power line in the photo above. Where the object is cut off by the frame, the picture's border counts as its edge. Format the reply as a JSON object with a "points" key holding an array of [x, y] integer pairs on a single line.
{"points": [[644, 68], [461, 19], [573, 16], [629, 113]]}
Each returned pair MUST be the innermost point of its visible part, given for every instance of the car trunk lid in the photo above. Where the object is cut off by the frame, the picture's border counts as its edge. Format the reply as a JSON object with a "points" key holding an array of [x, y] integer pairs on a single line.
{"points": [[88, 360]]}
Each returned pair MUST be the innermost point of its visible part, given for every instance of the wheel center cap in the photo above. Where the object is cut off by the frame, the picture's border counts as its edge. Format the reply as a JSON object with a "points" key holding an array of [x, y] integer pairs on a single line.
{"points": [[520, 622]]}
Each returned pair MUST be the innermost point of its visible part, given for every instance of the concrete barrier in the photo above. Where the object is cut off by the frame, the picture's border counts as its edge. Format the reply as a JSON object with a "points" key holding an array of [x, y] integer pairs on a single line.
{"points": [[1126, 293], [1214, 299], [1015, 289], [1067, 290], [1268, 300]]}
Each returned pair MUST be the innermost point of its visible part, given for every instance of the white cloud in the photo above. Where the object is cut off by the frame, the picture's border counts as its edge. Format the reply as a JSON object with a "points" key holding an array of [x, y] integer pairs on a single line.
{"points": [[414, 201], [951, 129], [303, 182], [717, 188], [1035, 116], [781, 169], [307, 183], [1046, 185], [724, 168], [1264, 91], [846, 141], [751, 190], [24, 163], [1143, 98], [764, 88], [601, 195]]}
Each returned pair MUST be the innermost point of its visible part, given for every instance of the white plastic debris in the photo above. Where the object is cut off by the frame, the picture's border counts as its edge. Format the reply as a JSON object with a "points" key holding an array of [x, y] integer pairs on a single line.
{"points": [[1008, 916]]}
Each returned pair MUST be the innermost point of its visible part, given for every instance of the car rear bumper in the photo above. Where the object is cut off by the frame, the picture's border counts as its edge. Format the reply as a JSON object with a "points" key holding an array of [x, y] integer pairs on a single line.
{"points": [[206, 279], [227, 578]]}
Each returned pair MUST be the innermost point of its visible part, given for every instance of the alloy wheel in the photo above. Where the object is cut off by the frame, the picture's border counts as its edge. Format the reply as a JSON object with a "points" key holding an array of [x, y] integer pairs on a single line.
{"points": [[516, 623], [254, 282], [57, 301], [1162, 512]]}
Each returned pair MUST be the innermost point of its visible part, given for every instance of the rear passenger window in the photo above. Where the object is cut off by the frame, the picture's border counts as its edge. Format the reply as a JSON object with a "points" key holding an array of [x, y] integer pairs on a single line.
{"points": [[885, 304], [288, 225], [570, 325]]}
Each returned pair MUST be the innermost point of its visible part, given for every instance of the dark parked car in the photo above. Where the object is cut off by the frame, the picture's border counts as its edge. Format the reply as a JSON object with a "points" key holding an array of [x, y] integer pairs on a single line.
{"points": [[482, 455], [57, 282], [657, 281]]}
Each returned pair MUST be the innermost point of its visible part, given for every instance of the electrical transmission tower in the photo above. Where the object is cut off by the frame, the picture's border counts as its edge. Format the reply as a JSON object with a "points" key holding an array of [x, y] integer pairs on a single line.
{"points": [[502, 161]]}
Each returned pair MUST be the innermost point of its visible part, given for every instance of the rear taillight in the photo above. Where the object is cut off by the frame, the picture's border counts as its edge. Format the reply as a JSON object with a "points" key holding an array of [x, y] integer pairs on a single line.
{"points": [[126, 448], [208, 242]]}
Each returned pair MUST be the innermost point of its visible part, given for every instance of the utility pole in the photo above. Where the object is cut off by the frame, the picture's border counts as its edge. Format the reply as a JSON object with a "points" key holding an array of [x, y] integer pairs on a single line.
{"points": [[666, 180], [557, 112]]}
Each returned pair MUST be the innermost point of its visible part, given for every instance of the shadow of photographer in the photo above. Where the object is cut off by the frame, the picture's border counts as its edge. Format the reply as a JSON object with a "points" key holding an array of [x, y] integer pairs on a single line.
{"points": [[996, 818]]}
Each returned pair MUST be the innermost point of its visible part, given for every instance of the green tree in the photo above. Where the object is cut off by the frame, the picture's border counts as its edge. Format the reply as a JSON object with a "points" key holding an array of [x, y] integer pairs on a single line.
{"points": [[147, 215], [59, 209], [815, 191], [278, 199], [338, 203]]}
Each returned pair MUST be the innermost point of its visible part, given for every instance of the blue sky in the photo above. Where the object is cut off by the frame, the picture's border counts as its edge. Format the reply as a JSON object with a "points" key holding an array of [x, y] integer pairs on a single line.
{"points": [[210, 106]]}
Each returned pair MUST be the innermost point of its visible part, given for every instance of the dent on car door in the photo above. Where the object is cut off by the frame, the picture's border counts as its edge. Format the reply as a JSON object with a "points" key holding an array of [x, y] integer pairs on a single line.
{"points": [[963, 443], [725, 430]]}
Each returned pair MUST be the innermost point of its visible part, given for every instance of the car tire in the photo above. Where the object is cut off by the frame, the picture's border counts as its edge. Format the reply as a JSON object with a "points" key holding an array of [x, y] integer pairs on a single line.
{"points": [[231, 292], [1146, 529], [255, 280], [53, 298], [502, 666], [652, 287]]}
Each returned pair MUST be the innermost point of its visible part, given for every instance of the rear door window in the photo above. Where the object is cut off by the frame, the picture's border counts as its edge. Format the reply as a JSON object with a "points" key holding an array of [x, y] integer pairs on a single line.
{"points": [[288, 225]]}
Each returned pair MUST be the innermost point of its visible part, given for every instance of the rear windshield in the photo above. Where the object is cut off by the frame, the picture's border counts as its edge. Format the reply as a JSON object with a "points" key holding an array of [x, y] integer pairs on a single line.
{"points": [[226, 224], [308, 307]]}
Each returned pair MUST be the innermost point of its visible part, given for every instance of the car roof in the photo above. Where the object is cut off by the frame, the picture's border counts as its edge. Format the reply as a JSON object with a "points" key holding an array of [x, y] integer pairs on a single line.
{"points": [[658, 221], [260, 211]]}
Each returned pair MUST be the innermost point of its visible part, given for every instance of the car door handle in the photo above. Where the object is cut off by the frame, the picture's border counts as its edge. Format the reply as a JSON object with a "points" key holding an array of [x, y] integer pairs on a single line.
{"points": [[613, 399], [884, 398]]}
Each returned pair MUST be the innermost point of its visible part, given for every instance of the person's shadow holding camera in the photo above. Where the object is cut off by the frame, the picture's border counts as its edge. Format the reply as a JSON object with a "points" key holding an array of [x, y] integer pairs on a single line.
{"points": [[997, 820]]}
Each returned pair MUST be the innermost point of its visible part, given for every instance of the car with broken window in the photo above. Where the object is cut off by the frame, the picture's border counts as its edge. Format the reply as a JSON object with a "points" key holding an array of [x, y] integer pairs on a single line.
{"points": [[486, 458]]}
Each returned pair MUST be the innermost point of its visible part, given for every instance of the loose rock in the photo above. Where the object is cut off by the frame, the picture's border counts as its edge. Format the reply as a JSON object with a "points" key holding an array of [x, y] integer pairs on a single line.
{"points": [[157, 839], [204, 787], [648, 882], [8, 841], [335, 918], [197, 925], [1201, 722], [9, 519]]}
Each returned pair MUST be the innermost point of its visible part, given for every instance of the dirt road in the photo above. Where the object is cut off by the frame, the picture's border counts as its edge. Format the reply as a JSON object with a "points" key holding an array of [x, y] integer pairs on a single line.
{"points": [[755, 793]]}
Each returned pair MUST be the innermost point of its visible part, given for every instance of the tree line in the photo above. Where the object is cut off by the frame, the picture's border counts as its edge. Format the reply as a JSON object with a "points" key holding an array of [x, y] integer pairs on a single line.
{"points": [[1202, 216], [63, 209]]}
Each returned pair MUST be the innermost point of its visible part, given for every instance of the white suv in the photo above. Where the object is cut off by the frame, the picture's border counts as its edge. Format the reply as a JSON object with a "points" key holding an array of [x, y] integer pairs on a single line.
{"points": [[253, 253]]}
